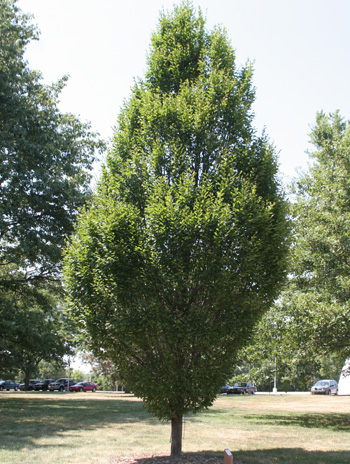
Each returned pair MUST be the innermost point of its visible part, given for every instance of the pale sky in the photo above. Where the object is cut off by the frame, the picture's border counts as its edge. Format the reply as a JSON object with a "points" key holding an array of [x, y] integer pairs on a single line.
{"points": [[300, 50]]}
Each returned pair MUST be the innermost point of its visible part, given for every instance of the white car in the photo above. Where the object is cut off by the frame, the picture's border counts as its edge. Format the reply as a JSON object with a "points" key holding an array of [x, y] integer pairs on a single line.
{"points": [[325, 387]]}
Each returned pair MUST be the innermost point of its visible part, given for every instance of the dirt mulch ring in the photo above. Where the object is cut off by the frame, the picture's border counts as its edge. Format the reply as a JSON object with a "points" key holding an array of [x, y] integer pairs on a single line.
{"points": [[185, 459]]}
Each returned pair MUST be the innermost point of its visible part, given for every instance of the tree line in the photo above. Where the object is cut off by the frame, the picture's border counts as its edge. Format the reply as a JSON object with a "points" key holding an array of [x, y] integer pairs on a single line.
{"points": [[46, 158], [189, 259]]}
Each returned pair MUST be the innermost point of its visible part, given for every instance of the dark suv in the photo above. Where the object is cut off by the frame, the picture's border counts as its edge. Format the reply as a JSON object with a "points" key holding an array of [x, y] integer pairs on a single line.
{"points": [[43, 384], [61, 384], [22, 386], [8, 385]]}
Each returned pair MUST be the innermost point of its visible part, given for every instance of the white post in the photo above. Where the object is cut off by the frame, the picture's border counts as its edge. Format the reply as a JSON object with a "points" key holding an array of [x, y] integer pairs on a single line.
{"points": [[275, 378], [67, 388]]}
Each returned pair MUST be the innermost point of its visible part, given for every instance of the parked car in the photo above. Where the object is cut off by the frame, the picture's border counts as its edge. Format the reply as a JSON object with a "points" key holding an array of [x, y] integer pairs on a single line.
{"points": [[8, 385], [243, 388], [84, 387], [225, 388], [32, 382], [61, 384], [325, 387], [43, 384]]}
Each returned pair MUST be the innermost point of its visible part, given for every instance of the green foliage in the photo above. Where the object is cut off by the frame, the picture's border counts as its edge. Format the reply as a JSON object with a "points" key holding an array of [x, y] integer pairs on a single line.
{"points": [[45, 159], [311, 319], [282, 344], [104, 372], [33, 329], [45, 162], [183, 247], [53, 369], [321, 272]]}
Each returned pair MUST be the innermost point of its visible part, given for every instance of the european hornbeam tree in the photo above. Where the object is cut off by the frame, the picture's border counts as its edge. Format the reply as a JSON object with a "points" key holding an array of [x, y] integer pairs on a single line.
{"points": [[183, 247]]}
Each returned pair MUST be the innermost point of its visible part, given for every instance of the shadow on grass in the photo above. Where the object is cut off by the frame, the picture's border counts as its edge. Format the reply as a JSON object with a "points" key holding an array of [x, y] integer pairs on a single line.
{"points": [[291, 456], [34, 416], [278, 455], [332, 421]]}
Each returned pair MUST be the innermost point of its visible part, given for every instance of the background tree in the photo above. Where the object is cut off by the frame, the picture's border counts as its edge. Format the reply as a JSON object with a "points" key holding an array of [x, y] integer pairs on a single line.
{"points": [[310, 324], [320, 286], [281, 344], [184, 247], [45, 160], [33, 329], [104, 371], [52, 369]]}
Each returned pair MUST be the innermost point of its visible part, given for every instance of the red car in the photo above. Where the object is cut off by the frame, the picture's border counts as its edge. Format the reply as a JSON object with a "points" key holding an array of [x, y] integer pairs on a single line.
{"points": [[83, 387]]}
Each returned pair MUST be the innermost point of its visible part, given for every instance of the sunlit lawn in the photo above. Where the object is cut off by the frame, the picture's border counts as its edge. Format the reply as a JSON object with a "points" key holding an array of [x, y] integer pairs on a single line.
{"points": [[97, 428]]}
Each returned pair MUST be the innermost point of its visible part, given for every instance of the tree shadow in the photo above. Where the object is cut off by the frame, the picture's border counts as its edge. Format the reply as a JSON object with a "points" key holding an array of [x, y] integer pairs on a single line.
{"points": [[205, 457], [291, 456], [34, 416], [37, 416], [332, 421], [267, 456]]}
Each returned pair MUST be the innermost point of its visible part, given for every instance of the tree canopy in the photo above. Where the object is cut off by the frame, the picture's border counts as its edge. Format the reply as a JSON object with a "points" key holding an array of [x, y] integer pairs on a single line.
{"points": [[183, 247], [312, 317], [321, 266], [285, 349], [33, 328], [45, 160]]}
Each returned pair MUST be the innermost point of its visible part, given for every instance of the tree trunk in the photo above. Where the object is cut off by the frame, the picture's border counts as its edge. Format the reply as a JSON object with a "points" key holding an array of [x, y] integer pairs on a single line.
{"points": [[26, 380], [176, 437]]}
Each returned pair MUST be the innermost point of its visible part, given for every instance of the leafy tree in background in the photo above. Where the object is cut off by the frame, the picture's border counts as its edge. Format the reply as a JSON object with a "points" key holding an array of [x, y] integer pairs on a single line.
{"points": [[45, 161], [320, 284], [32, 330], [52, 369], [104, 371], [183, 247], [281, 345], [311, 321]]}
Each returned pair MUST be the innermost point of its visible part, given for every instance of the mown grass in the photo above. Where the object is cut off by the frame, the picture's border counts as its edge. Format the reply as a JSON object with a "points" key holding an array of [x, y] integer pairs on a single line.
{"points": [[98, 428]]}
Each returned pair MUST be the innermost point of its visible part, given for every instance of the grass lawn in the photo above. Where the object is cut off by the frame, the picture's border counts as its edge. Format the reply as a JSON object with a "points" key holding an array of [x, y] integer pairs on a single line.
{"points": [[84, 428]]}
